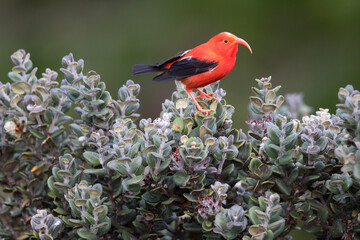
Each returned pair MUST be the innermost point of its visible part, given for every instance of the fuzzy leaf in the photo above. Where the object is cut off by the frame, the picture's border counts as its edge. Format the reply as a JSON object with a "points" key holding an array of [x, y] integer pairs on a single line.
{"points": [[253, 216], [14, 76], [257, 102], [289, 140], [356, 169], [190, 197], [181, 178], [86, 234], [178, 124], [286, 158], [254, 166], [276, 224], [20, 87], [270, 96], [57, 133], [95, 171], [274, 134], [36, 134], [268, 108], [92, 158], [135, 180], [283, 187]]}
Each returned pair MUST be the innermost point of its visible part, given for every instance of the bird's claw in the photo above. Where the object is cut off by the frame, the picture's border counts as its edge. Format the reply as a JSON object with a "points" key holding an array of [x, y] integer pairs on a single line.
{"points": [[205, 112], [210, 95]]}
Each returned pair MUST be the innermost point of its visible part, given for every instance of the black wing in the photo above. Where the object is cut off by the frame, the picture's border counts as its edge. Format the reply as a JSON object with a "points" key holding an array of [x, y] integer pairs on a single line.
{"points": [[185, 67], [172, 59], [146, 68]]}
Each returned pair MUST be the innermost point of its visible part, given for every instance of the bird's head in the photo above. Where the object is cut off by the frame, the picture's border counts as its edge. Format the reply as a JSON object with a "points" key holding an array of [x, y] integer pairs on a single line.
{"points": [[227, 43]]}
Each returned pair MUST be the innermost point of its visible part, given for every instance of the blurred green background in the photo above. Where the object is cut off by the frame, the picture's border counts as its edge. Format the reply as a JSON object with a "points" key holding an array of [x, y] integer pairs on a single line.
{"points": [[306, 46]]}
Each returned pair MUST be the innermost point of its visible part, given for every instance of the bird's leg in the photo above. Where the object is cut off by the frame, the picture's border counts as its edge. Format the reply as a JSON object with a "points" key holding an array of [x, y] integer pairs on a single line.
{"points": [[202, 94], [189, 90]]}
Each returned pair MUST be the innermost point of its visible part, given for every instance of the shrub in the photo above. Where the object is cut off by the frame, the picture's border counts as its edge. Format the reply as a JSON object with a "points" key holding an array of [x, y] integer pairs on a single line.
{"points": [[105, 175]]}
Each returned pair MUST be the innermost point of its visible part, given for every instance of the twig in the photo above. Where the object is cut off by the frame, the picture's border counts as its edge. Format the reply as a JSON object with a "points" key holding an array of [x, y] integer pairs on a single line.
{"points": [[32, 149]]}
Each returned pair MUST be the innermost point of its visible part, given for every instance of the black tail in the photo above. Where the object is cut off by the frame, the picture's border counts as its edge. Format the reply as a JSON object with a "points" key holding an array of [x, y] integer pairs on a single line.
{"points": [[144, 68]]}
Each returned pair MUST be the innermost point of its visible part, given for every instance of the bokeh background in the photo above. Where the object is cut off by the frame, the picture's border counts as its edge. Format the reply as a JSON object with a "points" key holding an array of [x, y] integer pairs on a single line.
{"points": [[306, 46]]}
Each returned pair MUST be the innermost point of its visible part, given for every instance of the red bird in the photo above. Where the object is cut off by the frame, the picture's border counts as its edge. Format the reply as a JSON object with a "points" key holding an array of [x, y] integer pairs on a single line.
{"points": [[200, 66]]}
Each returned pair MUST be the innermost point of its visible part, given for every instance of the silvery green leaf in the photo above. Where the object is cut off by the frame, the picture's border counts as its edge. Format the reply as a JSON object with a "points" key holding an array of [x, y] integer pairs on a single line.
{"points": [[14, 76], [356, 168], [321, 143], [256, 101], [269, 149], [99, 226], [19, 69], [74, 209], [151, 160], [181, 178], [283, 186], [293, 176], [76, 129], [178, 124], [286, 158], [255, 110], [97, 102], [337, 228], [257, 231], [268, 108], [277, 88], [254, 166], [280, 100], [62, 186], [103, 215], [31, 76], [256, 90], [135, 180], [319, 166], [106, 98], [14, 101], [98, 171], [252, 215], [270, 96], [227, 171], [151, 198], [135, 163], [290, 140], [63, 119], [76, 222], [101, 112], [261, 215], [190, 197], [57, 133], [207, 225], [164, 165], [86, 234], [276, 224], [28, 64], [97, 187], [274, 134], [276, 148], [122, 93], [36, 134], [92, 158], [64, 173]]}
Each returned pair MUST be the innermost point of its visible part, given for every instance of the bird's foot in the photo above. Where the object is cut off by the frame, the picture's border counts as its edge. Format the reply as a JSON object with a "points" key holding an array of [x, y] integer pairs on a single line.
{"points": [[205, 111], [205, 95]]}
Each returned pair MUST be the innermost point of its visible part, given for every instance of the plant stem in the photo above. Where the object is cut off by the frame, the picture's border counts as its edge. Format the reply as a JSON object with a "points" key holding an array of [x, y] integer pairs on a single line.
{"points": [[221, 164]]}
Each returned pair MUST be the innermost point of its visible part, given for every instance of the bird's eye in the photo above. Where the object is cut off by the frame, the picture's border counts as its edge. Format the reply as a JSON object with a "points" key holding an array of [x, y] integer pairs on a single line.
{"points": [[225, 41]]}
